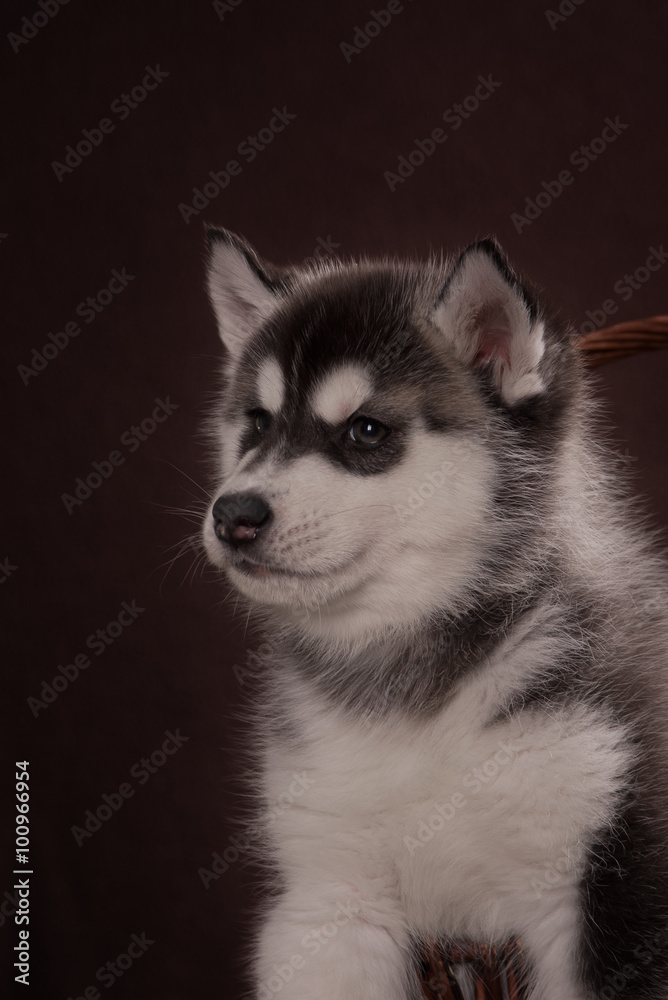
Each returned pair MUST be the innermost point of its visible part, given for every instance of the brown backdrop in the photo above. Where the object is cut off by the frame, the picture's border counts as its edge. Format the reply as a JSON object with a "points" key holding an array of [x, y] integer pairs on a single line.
{"points": [[201, 79]]}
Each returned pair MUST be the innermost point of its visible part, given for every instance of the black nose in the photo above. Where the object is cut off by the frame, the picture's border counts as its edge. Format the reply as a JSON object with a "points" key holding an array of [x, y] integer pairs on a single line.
{"points": [[238, 517]]}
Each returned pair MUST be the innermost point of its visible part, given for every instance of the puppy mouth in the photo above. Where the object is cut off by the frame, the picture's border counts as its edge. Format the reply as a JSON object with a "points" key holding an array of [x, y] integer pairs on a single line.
{"points": [[265, 570], [259, 570]]}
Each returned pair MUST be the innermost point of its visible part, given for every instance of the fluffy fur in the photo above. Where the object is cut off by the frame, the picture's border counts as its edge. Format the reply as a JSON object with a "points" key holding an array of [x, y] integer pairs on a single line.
{"points": [[466, 632]]}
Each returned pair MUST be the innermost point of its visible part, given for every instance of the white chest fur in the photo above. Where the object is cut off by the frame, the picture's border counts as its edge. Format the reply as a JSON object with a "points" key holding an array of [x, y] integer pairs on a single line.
{"points": [[475, 827]]}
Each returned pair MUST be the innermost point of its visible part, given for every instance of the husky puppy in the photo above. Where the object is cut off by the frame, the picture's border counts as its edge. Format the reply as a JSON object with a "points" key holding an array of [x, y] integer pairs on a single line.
{"points": [[463, 712]]}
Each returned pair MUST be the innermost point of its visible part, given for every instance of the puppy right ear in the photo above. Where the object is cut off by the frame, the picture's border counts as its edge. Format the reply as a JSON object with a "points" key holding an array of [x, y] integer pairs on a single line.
{"points": [[490, 322], [244, 291]]}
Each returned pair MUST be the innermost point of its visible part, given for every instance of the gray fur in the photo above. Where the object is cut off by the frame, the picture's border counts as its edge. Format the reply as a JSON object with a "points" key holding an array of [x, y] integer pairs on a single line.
{"points": [[561, 566]]}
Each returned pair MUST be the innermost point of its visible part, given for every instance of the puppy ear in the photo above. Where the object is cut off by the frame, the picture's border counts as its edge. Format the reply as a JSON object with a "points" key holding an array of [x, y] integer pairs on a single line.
{"points": [[489, 320], [243, 290]]}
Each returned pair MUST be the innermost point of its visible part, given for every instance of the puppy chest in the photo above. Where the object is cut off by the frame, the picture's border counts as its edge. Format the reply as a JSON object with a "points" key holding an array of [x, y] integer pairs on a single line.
{"points": [[501, 808]]}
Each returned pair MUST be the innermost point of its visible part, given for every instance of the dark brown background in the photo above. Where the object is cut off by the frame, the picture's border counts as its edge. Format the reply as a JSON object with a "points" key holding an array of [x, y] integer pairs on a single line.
{"points": [[321, 177]]}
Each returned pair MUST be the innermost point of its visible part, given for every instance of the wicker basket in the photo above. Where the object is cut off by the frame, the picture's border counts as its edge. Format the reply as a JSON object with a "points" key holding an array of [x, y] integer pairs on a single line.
{"points": [[465, 970], [621, 341]]}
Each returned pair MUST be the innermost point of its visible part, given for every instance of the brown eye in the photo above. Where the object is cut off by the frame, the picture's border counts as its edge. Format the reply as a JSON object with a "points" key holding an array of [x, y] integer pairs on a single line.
{"points": [[261, 421], [367, 432]]}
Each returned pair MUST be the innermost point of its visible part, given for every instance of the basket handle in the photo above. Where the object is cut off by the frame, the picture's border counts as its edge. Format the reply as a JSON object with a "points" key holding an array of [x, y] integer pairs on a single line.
{"points": [[624, 339]]}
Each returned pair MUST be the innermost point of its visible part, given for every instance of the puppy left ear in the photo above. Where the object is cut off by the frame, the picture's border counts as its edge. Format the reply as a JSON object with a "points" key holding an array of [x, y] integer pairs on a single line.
{"points": [[244, 290], [486, 316]]}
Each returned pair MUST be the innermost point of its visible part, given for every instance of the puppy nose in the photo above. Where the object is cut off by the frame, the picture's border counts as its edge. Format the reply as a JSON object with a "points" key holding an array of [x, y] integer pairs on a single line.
{"points": [[238, 517]]}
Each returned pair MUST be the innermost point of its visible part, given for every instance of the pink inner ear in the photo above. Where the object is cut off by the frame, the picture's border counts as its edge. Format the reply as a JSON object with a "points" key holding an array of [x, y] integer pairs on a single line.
{"points": [[494, 345]]}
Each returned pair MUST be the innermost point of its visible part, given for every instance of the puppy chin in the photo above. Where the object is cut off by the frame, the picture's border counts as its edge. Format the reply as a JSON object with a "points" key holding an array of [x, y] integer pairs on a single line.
{"points": [[278, 587]]}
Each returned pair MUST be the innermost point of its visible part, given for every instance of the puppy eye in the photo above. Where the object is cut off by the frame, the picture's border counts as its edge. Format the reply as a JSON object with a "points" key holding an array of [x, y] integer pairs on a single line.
{"points": [[261, 421], [367, 432]]}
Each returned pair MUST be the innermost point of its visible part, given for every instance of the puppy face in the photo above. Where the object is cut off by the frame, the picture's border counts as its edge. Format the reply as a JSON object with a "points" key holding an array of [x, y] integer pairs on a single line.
{"points": [[358, 451]]}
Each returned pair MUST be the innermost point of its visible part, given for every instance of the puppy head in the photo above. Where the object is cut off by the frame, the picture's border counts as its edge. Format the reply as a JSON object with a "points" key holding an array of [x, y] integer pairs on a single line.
{"points": [[369, 414]]}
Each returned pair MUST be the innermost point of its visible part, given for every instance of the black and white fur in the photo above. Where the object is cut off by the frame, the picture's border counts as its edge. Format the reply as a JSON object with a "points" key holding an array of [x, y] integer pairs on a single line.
{"points": [[466, 633]]}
